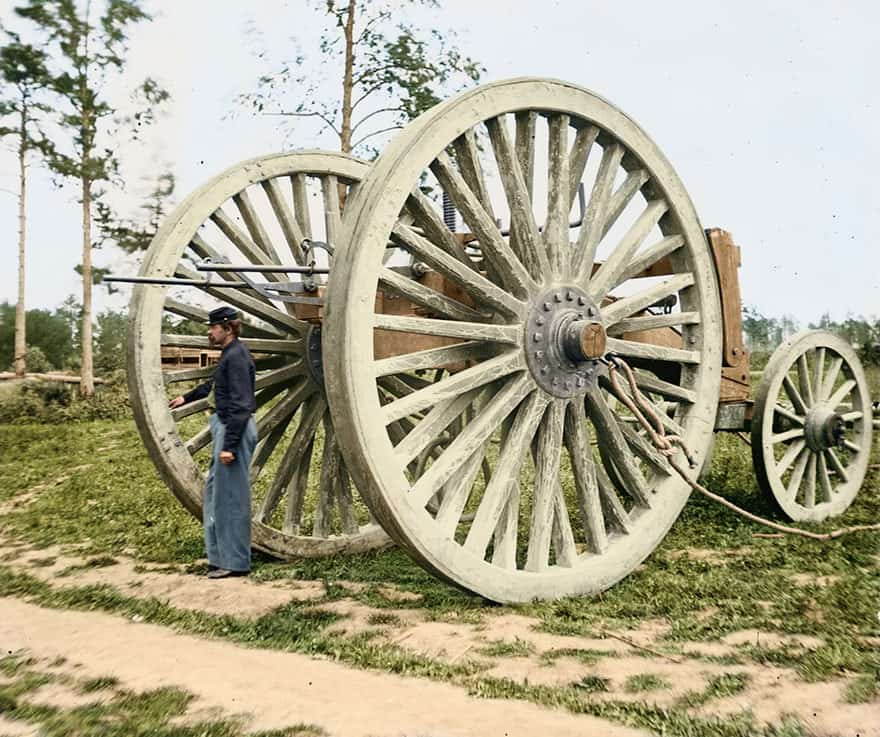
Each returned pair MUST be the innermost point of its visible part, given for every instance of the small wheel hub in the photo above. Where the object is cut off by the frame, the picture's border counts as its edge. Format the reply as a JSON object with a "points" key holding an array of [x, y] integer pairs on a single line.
{"points": [[824, 428], [564, 341]]}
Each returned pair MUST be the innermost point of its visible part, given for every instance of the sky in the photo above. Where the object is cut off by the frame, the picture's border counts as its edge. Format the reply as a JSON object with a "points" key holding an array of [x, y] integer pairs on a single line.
{"points": [[769, 112]]}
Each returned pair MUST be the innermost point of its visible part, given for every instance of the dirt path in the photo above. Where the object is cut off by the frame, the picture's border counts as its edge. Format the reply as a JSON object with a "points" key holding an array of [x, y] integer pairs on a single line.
{"points": [[276, 689]]}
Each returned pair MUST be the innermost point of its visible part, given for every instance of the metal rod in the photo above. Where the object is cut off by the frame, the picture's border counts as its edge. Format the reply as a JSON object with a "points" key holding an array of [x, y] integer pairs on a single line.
{"points": [[177, 282], [273, 269]]}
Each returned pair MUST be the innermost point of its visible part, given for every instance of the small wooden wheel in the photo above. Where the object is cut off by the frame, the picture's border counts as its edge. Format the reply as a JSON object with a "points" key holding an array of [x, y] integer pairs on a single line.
{"points": [[522, 313], [811, 430], [256, 212]]}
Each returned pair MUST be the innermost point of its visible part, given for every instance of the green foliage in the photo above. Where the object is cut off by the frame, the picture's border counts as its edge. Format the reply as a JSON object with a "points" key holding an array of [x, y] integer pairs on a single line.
{"points": [[110, 342], [643, 682], [398, 70], [50, 332], [56, 403], [516, 648], [36, 360]]}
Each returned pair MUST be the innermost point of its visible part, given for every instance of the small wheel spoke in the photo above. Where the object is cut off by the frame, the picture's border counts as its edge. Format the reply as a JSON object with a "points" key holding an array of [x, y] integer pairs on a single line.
{"points": [[818, 369], [505, 477], [558, 202], [628, 306], [851, 446], [609, 272], [654, 352], [797, 475], [548, 453], [466, 442], [792, 452], [495, 249], [836, 465], [803, 372], [794, 395], [597, 209], [788, 415], [853, 416], [784, 437], [810, 483], [830, 378], [842, 392], [471, 281], [824, 478], [586, 483]]}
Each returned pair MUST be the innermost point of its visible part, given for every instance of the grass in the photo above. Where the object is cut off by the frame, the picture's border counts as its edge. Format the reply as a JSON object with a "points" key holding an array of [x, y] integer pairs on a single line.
{"points": [[718, 687], [516, 648], [644, 682]]}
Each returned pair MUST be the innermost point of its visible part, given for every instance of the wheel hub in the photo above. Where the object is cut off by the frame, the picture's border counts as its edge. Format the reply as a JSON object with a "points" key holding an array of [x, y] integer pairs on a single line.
{"points": [[824, 428], [564, 341], [313, 355]]}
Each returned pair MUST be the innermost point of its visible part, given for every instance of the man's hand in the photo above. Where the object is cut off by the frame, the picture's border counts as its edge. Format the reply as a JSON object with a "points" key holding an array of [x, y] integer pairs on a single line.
{"points": [[176, 402], [226, 457]]}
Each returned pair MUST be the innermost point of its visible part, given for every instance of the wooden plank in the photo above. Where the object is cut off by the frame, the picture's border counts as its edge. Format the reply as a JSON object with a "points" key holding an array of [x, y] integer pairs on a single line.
{"points": [[727, 262]]}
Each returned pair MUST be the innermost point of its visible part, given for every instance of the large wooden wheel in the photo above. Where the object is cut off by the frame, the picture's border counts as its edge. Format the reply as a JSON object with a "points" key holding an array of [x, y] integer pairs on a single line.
{"points": [[811, 430], [257, 212], [525, 318]]}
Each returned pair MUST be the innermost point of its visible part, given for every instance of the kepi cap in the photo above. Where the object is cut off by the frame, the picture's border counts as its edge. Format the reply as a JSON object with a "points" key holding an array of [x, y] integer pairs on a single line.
{"points": [[221, 315]]}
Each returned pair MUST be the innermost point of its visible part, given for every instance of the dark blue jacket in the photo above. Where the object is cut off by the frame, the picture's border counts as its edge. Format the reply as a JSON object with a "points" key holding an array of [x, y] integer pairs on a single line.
{"points": [[233, 384]]}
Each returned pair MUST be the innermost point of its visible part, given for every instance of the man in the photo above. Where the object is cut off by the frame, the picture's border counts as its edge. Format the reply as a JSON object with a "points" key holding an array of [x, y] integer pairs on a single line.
{"points": [[226, 511]]}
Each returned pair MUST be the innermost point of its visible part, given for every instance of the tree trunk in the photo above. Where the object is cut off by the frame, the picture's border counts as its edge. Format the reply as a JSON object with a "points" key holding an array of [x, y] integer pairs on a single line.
{"points": [[20, 336], [87, 380], [345, 133]]}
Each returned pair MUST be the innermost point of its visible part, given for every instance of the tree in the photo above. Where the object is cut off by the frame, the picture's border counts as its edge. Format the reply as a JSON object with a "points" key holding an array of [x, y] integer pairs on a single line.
{"points": [[110, 341], [23, 69], [83, 55], [50, 332], [391, 71]]}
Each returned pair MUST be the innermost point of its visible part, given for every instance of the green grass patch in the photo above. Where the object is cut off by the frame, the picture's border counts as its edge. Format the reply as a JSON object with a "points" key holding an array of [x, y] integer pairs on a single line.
{"points": [[718, 687], [97, 684], [587, 656], [644, 682], [516, 648], [863, 689]]}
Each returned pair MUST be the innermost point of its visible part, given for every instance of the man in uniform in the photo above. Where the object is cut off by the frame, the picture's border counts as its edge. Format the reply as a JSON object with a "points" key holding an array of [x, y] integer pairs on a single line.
{"points": [[226, 510]]}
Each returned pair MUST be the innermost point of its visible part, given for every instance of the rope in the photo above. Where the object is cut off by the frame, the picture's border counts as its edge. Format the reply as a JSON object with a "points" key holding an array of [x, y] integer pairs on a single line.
{"points": [[669, 445]]}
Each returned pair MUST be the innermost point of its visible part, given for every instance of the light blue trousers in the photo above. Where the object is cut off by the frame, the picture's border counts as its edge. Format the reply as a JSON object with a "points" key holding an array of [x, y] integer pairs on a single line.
{"points": [[226, 512]]}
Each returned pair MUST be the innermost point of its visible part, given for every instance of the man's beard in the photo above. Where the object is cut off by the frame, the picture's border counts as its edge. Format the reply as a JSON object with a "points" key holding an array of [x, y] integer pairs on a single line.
{"points": [[211, 342]]}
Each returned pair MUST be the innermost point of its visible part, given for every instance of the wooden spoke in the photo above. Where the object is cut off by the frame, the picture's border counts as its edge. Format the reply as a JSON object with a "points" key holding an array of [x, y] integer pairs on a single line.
{"points": [[506, 334], [616, 311], [289, 347], [251, 251], [788, 415], [291, 229], [792, 452], [267, 445], [206, 252], [614, 449], [818, 369], [434, 423], [824, 478], [650, 256], [609, 272], [797, 474], [457, 490], [841, 393], [851, 446], [332, 471], [652, 322], [524, 229], [586, 483], [472, 437], [171, 377], [235, 298], [783, 437], [642, 448], [191, 408], [634, 181], [473, 350], [505, 476], [562, 537], [794, 395], [810, 483], [332, 217], [200, 440], [296, 493], [578, 157], [436, 234], [836, 465], [558, 202], [254, 225], [471, 281], [649, 382], [597, 208], [495, 249], [197, 314], [299, 188], [426, 297], [830, 378], [281, 412], [467, 155], [524, 136], [632, 349], [853, 416], [472, 378], [310, 415], [548, 453], [803, 372]]}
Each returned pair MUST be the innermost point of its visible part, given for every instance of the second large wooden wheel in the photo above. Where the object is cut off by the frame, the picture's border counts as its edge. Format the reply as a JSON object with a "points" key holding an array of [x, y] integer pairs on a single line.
{"points": [[525, 317], [258, 212]]}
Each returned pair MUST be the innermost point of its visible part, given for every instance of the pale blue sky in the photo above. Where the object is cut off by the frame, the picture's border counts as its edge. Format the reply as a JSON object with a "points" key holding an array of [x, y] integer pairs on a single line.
{"points": [[768, 110]]}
